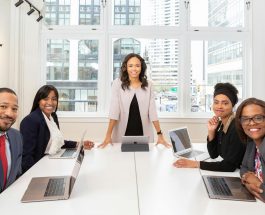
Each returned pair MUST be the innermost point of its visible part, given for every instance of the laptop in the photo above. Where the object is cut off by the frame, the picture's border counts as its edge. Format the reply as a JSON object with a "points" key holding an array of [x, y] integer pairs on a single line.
{"points": [[68, 153], [53, 188], [182, 146], [134, 143], [228, 188]]}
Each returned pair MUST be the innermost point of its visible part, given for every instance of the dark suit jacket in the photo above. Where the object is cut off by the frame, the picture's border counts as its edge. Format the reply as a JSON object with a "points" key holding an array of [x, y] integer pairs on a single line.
{"points": [[15, 142], [36, 136], [248, 163]]}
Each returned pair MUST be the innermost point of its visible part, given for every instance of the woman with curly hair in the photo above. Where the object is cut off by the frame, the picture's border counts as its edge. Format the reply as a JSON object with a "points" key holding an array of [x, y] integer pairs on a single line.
{"points": [[132, 107]]}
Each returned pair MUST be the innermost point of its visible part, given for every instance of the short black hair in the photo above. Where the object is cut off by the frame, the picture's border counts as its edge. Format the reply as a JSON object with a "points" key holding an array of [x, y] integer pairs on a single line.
{"points": [[7, 90]]}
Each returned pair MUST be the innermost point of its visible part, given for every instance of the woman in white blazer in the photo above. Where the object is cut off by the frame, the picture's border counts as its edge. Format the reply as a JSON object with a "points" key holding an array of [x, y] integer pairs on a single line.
{"points": [[132, 107]]}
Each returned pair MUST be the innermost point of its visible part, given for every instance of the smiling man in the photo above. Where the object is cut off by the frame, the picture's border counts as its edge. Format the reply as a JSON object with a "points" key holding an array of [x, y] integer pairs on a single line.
{"points": [[10, 139]]}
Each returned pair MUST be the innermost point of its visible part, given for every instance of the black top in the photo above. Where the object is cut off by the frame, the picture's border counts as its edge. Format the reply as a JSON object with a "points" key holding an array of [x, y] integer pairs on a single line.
{"points": [[134, 126], [228, 146]]}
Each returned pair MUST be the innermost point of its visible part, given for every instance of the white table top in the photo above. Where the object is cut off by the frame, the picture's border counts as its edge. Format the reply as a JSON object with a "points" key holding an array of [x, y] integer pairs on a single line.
{"points": [[125, 183]]}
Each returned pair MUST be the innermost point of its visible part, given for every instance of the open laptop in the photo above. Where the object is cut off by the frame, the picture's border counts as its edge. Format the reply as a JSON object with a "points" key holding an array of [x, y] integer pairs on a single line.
{"points": [[182, 146], [134, 143], [68, 153], [55, 187], [228, 188]]}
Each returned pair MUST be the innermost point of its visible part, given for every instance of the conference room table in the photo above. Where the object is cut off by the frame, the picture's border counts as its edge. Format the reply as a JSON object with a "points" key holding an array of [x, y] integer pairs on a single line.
{"points": [[111, 182]]}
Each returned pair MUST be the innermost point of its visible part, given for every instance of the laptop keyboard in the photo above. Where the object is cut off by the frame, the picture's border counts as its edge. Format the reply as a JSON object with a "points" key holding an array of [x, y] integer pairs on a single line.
{"points": [[55, 187], [219, 186], [68, 152]]}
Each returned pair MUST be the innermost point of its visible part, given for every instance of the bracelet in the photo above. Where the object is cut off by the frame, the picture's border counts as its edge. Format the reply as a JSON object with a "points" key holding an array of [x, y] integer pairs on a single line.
{"points": [[159, 132]]}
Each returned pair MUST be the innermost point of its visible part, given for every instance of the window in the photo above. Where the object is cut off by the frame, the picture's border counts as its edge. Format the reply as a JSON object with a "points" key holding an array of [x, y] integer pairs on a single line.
{"points": [[213, 62], [72, 66], [217, 13], [188, 46]]}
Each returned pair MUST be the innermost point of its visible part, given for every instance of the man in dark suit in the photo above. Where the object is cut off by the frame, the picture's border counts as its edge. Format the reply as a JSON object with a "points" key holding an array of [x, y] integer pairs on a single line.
{"points": [[10, 139]]}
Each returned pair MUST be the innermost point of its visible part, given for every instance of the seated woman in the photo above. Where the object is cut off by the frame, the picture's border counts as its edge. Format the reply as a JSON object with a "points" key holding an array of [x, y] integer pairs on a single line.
{"points": [[40, 129], [132, 108], [222, 139], [250, 122]]}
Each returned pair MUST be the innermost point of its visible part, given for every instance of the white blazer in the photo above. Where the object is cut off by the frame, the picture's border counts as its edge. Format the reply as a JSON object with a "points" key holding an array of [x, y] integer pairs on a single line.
{"points": [[120, 107]]}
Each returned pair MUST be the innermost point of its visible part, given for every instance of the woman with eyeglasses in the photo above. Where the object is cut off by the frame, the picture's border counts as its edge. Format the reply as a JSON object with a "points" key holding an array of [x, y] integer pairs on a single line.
{"points": [[222, 139], [250, 122]]}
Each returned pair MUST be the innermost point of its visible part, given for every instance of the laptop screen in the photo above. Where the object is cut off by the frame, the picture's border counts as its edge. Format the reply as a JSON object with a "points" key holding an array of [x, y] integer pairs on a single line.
{"points": [[180, 139]]}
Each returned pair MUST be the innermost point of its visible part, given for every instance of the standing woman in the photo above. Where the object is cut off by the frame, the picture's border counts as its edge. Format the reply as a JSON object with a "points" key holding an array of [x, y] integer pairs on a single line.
{"points": [[250, 122], [132, 108], [222, 139], [40, 129]]}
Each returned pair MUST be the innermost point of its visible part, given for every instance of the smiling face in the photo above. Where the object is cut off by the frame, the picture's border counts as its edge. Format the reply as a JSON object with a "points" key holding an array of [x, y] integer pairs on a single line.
{"points": [[48, 105], [134, 68], [255, 131], [8, 110], [222, 106]]}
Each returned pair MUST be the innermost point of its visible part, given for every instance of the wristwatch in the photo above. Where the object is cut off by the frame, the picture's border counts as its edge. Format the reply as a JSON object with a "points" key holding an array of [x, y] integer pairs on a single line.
{"points": [[159, 132]]}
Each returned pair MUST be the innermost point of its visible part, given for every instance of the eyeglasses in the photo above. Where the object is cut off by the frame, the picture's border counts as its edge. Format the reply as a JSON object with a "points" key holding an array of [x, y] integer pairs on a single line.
{"points": [[256, 119]]}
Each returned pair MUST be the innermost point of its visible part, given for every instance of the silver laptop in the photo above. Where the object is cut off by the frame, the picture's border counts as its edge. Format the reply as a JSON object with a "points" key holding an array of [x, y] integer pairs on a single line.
{"points": [[135, 139], [53, 188], [228, 188], [182, 146], [68, 153]]}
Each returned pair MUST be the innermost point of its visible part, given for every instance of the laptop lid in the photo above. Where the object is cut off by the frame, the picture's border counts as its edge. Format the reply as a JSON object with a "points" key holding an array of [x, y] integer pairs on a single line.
{"points": [[55, 187], [77, 167], [180, 140], [182, 146], [227, 188], [135, 139]]}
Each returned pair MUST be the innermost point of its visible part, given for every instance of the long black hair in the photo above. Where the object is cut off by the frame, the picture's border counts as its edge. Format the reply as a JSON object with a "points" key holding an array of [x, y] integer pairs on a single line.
{"points": [[43, 93], [124, 74]]}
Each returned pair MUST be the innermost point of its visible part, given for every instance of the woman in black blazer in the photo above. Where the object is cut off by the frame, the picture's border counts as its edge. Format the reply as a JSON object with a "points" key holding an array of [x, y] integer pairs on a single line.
{"points": [[35, 131]]}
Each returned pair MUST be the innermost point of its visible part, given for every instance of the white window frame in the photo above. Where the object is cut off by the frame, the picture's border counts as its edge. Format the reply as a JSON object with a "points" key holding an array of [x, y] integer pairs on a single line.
{"points": [[183, 33]]}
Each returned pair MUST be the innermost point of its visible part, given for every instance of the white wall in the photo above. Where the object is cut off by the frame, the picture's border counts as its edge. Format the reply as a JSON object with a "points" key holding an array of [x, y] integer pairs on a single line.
{"points": [[4, 40], [24, 65]]}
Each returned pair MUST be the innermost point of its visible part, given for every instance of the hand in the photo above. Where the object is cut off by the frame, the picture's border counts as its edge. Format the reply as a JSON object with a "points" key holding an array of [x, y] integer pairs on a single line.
{"points": [[88, 144], [212, 126], [213, 123], [252, 188], [185, 163], [105, 142], [161, 140], [252, 182]]}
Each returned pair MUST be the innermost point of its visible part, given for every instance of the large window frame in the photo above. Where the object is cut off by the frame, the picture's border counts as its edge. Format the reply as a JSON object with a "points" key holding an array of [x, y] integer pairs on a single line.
{"points": [[106, 32]]}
